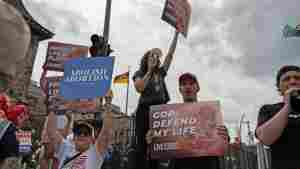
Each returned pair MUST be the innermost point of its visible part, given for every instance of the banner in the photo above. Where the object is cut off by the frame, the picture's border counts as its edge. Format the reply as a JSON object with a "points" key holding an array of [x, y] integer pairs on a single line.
{"points": [[60, 105], [25, 144], [58, 53], [186, 130], [178, 13], [86, 78]]}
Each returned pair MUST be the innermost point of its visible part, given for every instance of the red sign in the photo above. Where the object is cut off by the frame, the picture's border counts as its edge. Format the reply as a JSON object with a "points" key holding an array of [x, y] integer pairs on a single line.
{"points": [[58, 53], [186, 130], [177, 13]]}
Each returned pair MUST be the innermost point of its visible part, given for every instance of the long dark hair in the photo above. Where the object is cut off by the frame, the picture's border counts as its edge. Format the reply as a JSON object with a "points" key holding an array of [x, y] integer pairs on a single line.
{"points": [[144, 62]]}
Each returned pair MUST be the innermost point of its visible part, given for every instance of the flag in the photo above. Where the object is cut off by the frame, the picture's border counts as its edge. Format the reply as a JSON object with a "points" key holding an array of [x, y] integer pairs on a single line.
{"points": [[122, 78], [292, 29]]}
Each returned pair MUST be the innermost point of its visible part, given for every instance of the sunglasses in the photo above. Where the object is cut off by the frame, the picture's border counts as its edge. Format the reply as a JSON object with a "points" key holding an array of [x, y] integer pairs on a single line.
{"points": [[82, 130]]}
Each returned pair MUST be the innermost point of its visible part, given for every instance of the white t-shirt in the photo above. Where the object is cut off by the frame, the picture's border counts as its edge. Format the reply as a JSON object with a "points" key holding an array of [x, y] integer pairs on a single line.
{"points": [[87, 160]]}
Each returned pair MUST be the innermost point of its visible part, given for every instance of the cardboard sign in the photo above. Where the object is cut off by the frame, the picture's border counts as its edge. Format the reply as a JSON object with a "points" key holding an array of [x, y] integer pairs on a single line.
{"points": [[186, 130], [58, 53], [60, 105], [87, 78], [177, 13]]}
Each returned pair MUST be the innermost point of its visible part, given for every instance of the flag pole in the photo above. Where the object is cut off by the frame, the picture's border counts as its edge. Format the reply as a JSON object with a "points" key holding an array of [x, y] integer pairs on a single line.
{"points": [[127, 91]]}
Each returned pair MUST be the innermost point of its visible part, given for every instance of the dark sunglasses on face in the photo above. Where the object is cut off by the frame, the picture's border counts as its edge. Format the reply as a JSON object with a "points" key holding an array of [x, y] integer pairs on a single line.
{"points": [[82, 131]]}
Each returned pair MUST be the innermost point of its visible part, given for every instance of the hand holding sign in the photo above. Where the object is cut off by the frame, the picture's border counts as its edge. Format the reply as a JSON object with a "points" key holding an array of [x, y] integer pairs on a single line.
{"points": [[223, 132], [149, 136]]}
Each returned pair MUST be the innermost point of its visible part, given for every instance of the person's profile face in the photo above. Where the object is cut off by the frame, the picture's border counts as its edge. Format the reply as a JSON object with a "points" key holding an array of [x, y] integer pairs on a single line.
{"points": [[290, 79]]}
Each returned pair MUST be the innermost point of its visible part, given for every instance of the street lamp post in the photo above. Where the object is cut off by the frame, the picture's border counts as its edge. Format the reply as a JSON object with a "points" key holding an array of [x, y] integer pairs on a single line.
{"points": [[107, 21], [100, 45]]}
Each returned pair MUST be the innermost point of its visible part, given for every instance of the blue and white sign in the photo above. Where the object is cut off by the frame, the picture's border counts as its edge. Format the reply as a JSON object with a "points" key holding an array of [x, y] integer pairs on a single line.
{"points": [[86, 78]]}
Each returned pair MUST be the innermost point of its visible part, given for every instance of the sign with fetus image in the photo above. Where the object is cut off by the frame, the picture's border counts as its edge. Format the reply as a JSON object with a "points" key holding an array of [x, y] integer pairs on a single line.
{"points": [[186, 130]]}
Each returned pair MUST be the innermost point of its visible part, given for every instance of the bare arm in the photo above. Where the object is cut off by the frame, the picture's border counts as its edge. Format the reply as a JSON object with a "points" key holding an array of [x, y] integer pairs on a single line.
{"points": [[271, 130], [169, 57], [67, 127], [52, 129], [106, 135]]}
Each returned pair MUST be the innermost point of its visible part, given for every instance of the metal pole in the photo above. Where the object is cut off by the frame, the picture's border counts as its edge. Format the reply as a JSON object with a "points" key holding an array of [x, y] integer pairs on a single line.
{"points": [[242, 162], [107, 21], [127, 92], [241, 121]]}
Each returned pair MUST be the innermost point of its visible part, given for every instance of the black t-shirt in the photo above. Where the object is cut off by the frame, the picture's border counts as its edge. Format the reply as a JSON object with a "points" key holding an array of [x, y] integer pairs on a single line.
{"points": [[154, 92], [9, 146], [196, 163], [285, 151]]}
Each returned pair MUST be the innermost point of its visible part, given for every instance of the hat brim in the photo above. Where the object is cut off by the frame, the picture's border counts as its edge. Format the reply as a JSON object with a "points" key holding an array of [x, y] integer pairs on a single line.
{"points": [[187, 77]]}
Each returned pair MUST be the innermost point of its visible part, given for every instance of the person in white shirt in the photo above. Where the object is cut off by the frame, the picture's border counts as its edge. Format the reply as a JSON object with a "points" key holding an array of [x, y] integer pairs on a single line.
{"points": [[86, 150]]}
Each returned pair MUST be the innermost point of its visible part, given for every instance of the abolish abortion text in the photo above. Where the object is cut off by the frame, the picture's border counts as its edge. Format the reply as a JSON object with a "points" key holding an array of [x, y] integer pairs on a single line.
{"points": [[88, 75]]}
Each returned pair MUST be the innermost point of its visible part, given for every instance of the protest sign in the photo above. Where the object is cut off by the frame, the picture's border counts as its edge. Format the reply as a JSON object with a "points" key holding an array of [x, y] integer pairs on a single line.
{"points": [[177, 13], [58, 104], [25, 144], [87, 78], [186, 130], [58, 53]]}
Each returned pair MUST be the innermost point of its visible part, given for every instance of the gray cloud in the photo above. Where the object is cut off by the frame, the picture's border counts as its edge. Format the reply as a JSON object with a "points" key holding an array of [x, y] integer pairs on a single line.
{"points": [[234, 49], [256, 31], [56, 19]]}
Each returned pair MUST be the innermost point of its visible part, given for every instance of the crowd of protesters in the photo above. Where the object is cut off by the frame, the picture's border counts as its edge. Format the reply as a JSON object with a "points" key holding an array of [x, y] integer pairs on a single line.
{"points": [[85, 141]]}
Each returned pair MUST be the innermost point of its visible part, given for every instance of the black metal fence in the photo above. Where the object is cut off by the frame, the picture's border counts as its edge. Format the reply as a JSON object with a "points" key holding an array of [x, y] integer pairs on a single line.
{"points": [[244, 158]]}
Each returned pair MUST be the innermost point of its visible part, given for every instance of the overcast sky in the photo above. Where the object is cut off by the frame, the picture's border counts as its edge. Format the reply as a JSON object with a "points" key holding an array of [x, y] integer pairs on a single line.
{"points": [[234, 46]]}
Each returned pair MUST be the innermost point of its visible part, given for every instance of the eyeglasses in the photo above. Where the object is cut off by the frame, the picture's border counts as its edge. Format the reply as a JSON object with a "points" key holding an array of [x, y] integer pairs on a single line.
{"points": [[82, 131]]}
